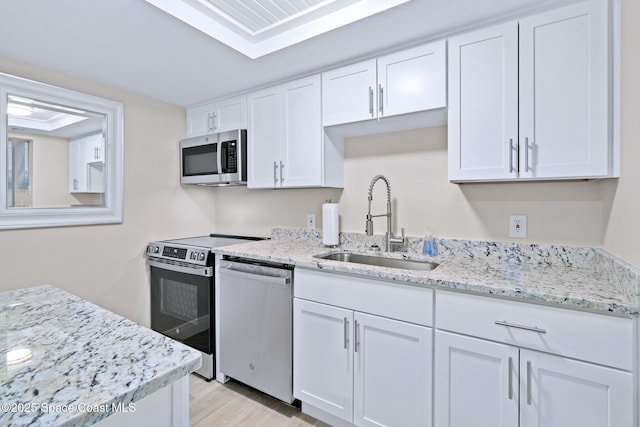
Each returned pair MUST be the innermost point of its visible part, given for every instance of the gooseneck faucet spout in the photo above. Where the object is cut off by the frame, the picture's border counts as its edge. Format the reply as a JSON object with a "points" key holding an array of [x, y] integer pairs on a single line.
{"points": [[390, 239]]}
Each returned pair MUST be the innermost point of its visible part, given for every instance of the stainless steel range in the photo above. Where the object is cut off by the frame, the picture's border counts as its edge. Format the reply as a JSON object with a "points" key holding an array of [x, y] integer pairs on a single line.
{"points": [[182, 275]]}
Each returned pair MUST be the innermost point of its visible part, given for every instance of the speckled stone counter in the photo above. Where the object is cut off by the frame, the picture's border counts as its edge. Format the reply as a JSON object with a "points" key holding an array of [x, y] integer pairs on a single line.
{"points": [[582, 278], [84, 359]]}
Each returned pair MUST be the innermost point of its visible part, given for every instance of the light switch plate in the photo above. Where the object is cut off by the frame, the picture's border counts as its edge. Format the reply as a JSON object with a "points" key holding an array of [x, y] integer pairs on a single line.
{"points": [[517, 226]]}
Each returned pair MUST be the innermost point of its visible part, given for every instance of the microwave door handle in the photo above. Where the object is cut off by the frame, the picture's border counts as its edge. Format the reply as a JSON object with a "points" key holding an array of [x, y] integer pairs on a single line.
{"points": [[223, 157], [219, 156]]}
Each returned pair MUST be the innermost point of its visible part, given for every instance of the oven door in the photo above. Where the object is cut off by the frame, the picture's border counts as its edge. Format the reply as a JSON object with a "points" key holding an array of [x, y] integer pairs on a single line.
{"points": [[182, 304]]}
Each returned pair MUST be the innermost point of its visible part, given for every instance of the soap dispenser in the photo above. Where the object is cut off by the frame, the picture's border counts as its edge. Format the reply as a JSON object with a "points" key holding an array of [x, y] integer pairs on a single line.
{"points": [[429, 248]]}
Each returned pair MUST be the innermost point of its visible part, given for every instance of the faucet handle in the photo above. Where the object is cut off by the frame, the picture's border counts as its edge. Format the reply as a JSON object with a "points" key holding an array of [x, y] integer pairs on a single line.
{"points": [[404, 241]]}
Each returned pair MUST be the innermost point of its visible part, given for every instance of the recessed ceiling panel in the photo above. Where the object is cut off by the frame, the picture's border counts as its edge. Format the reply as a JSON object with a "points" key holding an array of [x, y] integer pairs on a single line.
{"points": [[258, 27]]}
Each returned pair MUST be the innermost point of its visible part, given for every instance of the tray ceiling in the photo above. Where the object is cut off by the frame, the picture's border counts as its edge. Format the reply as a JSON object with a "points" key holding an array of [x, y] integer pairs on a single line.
{"points": [[259, 27]]}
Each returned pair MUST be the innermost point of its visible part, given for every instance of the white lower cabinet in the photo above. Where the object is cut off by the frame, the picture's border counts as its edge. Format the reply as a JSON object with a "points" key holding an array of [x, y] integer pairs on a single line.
{"points": [[560, 392], [474, 382], [392, 377], [356, 368], [483, 383], [323, 357]]}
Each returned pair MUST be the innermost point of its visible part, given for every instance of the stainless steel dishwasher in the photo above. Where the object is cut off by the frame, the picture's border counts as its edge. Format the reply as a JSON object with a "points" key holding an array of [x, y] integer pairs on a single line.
{"points": [[256, 325]]}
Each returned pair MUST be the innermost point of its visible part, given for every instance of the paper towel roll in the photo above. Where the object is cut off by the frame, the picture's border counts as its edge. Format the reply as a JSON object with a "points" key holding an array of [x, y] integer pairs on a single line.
{"points": [[330, 226]]}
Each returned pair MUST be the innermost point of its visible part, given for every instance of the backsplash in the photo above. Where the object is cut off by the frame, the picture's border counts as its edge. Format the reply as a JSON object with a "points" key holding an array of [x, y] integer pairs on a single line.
{"points": [[620, 274]]}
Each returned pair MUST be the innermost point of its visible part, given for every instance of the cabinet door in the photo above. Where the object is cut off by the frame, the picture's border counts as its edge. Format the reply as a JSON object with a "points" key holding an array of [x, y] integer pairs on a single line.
{"points": [[230, 114], [348, 94], [200, 120], [392, 378], [94, 149], [483, 104], [560, 392], [301, 153], [323, 357], [476, 382], [564, 98], [77, 167], [264, 135], [412, 80]]}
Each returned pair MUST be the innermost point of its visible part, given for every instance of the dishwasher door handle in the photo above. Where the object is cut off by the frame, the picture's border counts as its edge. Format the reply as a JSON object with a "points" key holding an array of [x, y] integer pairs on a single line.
{"points": [[282, 281]]}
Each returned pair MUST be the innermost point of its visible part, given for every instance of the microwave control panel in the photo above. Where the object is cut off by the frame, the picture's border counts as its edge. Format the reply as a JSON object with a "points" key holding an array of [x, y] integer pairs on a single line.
{"points": [[230, 157]]}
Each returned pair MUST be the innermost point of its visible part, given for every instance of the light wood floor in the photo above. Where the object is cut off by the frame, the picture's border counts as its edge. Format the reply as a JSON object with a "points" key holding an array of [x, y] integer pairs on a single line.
{"points": [[234, 404]]}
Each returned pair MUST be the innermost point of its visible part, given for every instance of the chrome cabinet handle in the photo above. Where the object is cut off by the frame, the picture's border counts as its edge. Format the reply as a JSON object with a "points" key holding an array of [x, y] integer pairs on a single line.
{"points": [[512, 148], [355, 329], [281, 167], [380, 100], [214, 121], [529, 382], [346, 332], [510, 378], [210, 122], [371, 101], [515, 325], [526, 154], [275, 169]]}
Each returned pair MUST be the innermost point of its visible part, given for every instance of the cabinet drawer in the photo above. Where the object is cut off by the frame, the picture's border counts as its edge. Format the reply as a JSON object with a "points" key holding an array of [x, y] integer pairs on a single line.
{"points": [[408, 303], [597, 338]]}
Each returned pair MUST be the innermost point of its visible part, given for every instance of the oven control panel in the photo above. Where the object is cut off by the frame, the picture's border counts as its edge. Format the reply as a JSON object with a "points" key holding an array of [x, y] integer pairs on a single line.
{"points": [[188, 254]]}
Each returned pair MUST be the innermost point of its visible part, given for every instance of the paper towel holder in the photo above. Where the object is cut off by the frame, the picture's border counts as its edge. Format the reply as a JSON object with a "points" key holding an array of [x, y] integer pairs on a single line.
{"points": [[330, 226]]}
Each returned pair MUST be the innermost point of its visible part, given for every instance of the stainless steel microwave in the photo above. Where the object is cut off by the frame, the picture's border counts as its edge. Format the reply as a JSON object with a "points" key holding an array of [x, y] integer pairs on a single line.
{"points": [[215, 160]]}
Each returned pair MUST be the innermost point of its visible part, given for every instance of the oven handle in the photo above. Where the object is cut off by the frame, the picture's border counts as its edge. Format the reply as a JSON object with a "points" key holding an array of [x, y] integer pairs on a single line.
{"points": [[272, 280], [196, 271]]}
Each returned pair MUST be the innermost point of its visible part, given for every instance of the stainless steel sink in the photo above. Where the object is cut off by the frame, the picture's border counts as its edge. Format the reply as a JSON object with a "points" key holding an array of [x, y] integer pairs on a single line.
{"points": [[380, 261]]}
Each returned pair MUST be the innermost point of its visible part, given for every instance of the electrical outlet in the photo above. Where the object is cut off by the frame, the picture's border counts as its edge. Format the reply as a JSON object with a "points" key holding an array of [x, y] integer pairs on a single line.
{"points": [[517, 226], [311, 221]]}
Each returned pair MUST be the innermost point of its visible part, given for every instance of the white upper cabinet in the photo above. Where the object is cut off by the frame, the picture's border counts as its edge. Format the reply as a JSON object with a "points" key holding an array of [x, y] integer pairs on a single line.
{"points": [[263, 138], [286, 145], [302, 138], [531, 99], [86, 164], [348, 93], [564, 96], [403, 82], [220, 116], [483, 104], [412, 80]]}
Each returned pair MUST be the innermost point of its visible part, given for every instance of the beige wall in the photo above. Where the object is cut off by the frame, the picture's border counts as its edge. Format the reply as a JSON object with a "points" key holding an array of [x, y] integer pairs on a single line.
{"points": [[423, 200], [621, 226], [50, 185], [105, 264]]}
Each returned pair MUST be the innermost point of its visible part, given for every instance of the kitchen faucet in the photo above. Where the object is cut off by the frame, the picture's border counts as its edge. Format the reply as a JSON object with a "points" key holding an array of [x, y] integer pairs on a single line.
{"points": [[389, 237]]}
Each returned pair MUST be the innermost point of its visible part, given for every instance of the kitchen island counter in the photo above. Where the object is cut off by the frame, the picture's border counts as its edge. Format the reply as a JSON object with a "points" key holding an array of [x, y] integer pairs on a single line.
{"points": [[475, 271], [79, 363]]}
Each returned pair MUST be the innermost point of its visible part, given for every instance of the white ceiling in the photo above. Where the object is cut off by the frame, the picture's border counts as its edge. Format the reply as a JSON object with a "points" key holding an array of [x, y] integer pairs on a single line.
{"points": [[132, 45]]}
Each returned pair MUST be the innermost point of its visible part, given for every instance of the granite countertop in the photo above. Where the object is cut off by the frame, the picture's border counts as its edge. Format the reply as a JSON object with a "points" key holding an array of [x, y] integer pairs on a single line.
{"points": [[84, 359], [474, 271]]}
